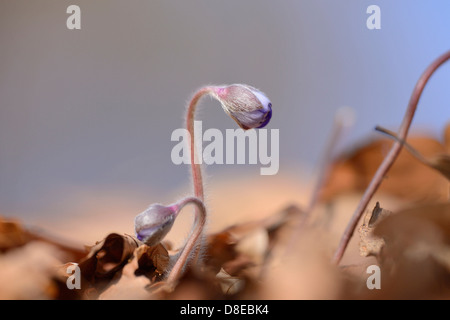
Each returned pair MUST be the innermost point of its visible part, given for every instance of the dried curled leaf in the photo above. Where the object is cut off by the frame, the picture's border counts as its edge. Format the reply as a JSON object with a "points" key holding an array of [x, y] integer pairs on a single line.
{"points": [[369, 244], [145, 267], [108, 256], [152, 261]]}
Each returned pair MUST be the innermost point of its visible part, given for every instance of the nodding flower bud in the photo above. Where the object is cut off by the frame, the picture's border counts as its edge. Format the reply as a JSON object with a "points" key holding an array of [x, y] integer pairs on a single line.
{"points": [[154, 223], [248, 106]]}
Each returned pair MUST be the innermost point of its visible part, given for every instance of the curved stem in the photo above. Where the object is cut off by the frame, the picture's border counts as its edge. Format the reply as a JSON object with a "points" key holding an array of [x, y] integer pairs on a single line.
{"points": [[199, 223], [390, 158], [195, 163], [196, 169]]}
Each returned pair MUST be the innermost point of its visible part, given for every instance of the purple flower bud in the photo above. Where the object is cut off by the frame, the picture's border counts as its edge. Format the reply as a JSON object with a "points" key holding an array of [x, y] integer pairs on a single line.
{"points": [[152, 225], [248, 106]]}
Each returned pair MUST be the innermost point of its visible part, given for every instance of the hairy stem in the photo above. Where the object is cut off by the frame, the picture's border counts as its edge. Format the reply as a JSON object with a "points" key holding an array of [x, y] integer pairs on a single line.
{"points": [[195, 163], [390, 158], [196, 169], [189, 248]]}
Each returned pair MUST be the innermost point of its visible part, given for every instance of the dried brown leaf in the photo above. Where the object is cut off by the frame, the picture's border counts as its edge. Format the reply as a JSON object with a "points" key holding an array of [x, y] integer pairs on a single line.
{"points": [[127, 284], [152, 261], [253, 239], [447, 137], [406, 179], [195, 285], [28, 272], [254, 245], [108, 256], [236, 266], [220, 249], [371, 245], [415, 258], [304, 273], [12, 235], [230, 285], [441, 163]]}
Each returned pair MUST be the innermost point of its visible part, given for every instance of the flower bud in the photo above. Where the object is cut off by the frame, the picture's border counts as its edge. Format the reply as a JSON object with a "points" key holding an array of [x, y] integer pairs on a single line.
{"points": [[248, 106], [152, 225]]}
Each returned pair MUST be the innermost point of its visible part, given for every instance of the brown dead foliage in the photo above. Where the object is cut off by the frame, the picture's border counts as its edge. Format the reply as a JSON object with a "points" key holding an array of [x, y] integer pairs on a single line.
{"points": [[353, 172], [416, 255], [261, 258], [12, 235], [371, 245]]}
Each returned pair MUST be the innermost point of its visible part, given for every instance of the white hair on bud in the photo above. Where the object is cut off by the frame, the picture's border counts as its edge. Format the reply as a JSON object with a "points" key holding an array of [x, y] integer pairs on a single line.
{"points": [[248, 106], [263, 99]]}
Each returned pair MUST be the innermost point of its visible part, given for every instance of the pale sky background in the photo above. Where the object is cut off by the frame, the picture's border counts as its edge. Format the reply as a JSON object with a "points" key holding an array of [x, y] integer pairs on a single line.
{"points": [[95, 108]]}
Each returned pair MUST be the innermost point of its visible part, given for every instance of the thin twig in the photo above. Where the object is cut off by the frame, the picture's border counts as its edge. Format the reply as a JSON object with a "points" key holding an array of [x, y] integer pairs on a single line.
{"points": [[408, 147], [390, 158]]}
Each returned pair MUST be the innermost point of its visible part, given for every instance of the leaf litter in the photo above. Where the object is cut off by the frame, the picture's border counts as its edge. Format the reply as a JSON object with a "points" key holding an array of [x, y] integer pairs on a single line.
{"points": [[248, 260], [288, 255]]}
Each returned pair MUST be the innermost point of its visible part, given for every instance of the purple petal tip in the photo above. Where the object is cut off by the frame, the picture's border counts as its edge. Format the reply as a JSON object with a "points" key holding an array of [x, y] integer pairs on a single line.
{"points": [[267, 117]]}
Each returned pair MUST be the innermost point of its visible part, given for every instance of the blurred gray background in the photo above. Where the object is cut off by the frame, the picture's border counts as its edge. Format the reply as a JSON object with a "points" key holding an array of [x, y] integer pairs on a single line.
{"points": [[94, 108]]}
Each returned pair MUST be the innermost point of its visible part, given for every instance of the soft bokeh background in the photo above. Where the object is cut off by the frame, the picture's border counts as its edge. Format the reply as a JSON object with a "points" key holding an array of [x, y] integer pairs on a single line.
{"points": [[86, 115]]}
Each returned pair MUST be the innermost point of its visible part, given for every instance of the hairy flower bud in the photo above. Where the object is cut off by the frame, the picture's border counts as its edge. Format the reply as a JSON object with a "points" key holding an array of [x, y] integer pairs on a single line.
{"points": [[248, 106], [154, 223]]}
